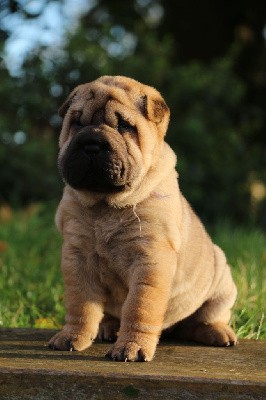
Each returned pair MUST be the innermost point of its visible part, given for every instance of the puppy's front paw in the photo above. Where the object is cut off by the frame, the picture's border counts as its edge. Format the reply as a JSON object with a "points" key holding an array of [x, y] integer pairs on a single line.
{"points": [[132, 350], [70, 341], [217, 334]]}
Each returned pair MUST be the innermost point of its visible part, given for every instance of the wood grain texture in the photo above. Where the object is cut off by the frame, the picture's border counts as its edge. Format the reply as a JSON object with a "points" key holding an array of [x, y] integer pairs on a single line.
{"points": [[29, 370]]}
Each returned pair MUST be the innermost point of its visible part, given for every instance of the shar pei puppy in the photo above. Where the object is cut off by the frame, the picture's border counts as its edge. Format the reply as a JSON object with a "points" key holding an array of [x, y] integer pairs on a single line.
{"points": [[137, 262]]}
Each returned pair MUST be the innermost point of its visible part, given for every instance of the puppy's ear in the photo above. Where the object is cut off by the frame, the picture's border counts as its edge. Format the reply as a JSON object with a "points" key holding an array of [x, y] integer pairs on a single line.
{"points": [[155, 109], [65, 106]]}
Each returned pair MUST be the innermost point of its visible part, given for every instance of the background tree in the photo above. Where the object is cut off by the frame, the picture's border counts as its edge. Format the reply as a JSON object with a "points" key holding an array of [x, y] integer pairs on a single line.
{"points": [[207, 59]]}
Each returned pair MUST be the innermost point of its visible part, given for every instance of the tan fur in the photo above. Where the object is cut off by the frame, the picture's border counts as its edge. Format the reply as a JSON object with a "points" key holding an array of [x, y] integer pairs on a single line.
{"points": [[140, 256]]}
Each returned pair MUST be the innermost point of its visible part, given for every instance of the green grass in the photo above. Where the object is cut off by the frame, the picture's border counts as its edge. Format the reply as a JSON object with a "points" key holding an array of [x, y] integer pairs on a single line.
{"points": [[31, 283], [245, 249]]}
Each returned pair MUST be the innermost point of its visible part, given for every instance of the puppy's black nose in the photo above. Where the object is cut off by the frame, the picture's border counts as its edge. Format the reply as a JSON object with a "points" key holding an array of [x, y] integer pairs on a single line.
{"points": [[92, 148], [92, 144]]}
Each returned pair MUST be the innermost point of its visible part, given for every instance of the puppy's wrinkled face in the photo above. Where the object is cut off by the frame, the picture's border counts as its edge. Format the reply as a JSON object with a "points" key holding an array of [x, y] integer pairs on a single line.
{"points": [[112, 129]]}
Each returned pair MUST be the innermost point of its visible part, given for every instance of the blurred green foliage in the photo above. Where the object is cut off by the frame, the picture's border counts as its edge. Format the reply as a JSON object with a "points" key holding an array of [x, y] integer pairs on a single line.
{"points": [[217, 112]]}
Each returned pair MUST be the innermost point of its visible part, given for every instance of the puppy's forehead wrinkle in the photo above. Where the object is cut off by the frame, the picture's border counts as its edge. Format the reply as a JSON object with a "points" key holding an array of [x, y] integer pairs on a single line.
{"points": [[93, 96], [120, 93], [105, 103], [98, 117]]}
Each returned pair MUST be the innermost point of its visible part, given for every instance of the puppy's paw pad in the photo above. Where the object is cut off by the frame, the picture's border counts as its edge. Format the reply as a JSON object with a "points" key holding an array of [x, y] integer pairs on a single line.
{"points": [[217, 334], [129, 351], [67, 341], [61, 341]]}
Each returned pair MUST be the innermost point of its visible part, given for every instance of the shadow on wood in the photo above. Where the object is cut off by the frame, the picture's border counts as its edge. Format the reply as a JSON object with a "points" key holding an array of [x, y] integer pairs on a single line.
{"points": [[30, 370]]}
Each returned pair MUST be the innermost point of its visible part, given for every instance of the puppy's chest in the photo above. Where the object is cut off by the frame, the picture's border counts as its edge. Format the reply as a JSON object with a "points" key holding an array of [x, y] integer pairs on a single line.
{"points": [[115, 231]]}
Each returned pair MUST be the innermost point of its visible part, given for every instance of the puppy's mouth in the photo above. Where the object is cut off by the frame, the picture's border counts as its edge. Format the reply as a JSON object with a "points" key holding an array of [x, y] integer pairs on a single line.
{"points": [[95, 161]]}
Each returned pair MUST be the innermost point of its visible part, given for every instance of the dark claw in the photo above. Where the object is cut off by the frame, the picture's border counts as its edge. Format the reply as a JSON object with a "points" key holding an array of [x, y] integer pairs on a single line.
{"points": [[123, 356], [109, 355], [69, 346], [53, 347], [119, 357], [233, 343], [141, 356]]}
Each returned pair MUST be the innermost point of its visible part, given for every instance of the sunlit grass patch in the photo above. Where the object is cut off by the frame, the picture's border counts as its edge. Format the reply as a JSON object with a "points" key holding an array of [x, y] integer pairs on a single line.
{"points": [[246, 252]]}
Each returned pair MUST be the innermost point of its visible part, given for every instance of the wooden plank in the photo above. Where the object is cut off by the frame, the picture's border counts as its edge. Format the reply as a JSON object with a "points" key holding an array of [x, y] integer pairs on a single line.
{"points": [[30, 370]]}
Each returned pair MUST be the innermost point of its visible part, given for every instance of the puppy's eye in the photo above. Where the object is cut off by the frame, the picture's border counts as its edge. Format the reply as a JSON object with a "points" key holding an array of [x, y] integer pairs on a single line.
{"points": [[76, 119], [77, 125], [124, 126]]}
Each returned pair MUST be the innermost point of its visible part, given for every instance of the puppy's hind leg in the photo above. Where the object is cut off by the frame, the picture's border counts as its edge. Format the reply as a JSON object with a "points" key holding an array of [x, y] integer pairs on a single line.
{"points": [[196, 328], [209, 324], [212, 318], [217, 333], [108, 328]]}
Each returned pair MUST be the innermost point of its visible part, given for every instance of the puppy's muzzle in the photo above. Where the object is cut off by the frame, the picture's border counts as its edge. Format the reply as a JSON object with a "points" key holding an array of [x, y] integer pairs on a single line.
{"points": [[96, 159]]}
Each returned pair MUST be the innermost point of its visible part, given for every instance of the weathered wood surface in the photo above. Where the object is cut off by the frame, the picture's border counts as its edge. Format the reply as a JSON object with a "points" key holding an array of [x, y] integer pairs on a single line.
{"points": [[30, 370]]}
